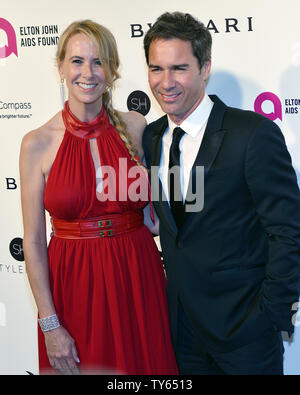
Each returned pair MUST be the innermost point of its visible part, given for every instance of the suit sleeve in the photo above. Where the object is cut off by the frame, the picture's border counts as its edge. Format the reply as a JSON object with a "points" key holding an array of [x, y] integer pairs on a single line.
{"points": [[146, 141], [275, 192]]}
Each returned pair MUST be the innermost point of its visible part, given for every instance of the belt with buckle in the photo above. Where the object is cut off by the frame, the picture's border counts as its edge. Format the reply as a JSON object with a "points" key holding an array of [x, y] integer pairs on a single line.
{"points": [[103, 226]]}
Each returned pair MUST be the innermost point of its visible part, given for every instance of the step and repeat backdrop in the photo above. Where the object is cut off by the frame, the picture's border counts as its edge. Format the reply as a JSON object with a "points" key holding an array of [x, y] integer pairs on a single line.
{"points": [[256, 66]]}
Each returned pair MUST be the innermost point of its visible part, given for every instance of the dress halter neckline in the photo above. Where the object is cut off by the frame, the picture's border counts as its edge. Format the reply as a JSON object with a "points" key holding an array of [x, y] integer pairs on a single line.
{"points": [[85, 130]]}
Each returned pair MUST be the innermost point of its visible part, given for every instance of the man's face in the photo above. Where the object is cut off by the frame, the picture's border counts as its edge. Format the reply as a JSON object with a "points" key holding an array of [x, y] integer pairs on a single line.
{"points": [[174, 77]]}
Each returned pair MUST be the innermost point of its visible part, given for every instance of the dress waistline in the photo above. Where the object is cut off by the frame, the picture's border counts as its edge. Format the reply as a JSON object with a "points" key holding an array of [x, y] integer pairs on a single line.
{"points": [[104, 226]]}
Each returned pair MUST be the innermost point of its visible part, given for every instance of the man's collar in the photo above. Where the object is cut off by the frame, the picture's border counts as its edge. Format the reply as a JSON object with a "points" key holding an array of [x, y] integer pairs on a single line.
{"points": [[197, 119]]}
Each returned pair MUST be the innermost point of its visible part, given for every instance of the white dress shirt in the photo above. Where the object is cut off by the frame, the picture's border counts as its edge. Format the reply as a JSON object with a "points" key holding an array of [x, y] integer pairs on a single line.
{"points": [[194, 126]]}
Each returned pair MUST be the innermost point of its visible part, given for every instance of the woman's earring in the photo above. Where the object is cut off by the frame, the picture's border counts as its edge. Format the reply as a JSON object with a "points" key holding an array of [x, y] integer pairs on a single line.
{"points": [[62, 92], [110, 95]]}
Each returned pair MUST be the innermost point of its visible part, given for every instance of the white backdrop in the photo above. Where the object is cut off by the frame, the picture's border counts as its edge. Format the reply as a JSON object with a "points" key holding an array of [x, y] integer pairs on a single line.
{"points": [[256, 50]]}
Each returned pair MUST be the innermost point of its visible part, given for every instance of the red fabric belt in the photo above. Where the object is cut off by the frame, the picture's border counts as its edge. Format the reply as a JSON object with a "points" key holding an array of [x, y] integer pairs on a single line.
{"points": [[103, 226]]}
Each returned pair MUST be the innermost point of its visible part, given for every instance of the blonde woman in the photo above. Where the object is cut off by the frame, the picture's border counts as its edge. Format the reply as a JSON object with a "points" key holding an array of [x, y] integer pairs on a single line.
{"points": [[99, 286]]}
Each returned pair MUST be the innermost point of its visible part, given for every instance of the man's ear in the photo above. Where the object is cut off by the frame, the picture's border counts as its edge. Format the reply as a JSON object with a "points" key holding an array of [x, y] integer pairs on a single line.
{"points": [[206, 70]]}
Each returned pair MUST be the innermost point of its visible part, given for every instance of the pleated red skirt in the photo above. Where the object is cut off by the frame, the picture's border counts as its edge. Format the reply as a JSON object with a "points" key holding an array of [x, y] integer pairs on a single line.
{"points": [[109, 293]]}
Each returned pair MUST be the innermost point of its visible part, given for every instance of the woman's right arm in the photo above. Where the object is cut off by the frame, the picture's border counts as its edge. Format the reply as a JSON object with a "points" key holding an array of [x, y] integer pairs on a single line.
{"points": [[60, 346], [35, 242]]}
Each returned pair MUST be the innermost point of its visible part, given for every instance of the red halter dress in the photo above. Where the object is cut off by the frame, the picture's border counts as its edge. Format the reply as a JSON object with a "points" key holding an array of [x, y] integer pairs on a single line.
{"points": [[106, 276]]}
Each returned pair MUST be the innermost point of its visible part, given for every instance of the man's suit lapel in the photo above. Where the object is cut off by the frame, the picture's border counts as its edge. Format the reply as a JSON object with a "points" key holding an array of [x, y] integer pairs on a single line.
{"points": [[207, 153], [159, 199], [210, 145]]}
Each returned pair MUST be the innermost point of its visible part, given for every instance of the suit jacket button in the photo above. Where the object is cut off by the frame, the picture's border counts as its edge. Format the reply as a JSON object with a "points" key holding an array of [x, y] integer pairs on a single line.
{"points": [[179, 244]]}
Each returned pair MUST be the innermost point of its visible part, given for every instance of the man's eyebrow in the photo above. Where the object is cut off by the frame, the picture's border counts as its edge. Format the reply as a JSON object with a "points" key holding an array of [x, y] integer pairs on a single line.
{"points": [[153, 65], [173, 66], [181, 65]]}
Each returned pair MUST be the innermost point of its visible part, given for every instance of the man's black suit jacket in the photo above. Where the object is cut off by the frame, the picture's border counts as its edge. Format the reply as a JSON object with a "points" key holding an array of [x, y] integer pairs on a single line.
{"points": [[235, 264]]}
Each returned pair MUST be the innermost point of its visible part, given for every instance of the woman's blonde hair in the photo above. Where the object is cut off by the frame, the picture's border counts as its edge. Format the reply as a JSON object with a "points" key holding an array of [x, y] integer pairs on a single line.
{"points": [[108, 54]]}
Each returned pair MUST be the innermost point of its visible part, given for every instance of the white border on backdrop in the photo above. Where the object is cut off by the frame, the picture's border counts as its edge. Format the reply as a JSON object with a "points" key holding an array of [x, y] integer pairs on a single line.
{"points": [[248, 60]]}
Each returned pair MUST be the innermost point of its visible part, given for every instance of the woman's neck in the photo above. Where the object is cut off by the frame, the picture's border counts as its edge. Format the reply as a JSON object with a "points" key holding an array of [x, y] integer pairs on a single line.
{"points": [[85, 112]]}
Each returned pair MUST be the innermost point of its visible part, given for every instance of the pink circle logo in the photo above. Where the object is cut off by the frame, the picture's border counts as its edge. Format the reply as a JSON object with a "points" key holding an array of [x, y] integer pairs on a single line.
{"points": [[11, 46], [277, 113]]}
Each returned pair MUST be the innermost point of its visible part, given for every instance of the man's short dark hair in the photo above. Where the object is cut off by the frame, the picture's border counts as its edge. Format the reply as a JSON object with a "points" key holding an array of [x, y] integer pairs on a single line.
{"points": [[184, 27]]}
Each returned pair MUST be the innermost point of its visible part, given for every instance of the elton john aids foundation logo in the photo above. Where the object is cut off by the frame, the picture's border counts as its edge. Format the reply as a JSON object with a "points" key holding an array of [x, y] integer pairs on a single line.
{"points": [[11, 46], [276, 111]]}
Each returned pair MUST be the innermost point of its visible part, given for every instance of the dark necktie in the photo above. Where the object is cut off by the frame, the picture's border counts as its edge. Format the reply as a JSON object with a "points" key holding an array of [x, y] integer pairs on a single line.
{"points": [[175, 195]]}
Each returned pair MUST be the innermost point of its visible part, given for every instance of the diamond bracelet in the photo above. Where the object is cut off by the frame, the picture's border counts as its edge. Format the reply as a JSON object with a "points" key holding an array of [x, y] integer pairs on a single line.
{"points": [[49, 323]]}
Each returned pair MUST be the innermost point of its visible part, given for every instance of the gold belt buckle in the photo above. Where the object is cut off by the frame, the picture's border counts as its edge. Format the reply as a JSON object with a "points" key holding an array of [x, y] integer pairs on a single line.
{"points": [[103, 224], [107, 233]]}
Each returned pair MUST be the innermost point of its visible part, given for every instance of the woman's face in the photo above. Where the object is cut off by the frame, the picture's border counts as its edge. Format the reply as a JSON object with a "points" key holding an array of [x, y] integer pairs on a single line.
{"points": [[83, 72]]}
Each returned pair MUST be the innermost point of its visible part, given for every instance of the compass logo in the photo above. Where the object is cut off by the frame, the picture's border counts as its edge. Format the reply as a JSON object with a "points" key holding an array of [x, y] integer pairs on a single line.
{"points": [[11, 46]]}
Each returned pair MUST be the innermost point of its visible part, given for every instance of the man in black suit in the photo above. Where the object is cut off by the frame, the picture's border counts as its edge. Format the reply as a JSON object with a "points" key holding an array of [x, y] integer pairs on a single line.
{"points": [[233, 264]]}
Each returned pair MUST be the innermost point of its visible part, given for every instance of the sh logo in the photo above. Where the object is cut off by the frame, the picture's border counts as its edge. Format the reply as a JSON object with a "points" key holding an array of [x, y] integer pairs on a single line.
{"points": [[16, 249], [11, 46], [139, 101]]}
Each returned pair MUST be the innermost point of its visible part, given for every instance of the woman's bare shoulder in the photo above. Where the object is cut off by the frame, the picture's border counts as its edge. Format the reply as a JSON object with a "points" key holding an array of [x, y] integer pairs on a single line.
{"points": [[136, 124], [134, 119], [37, 140]]}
